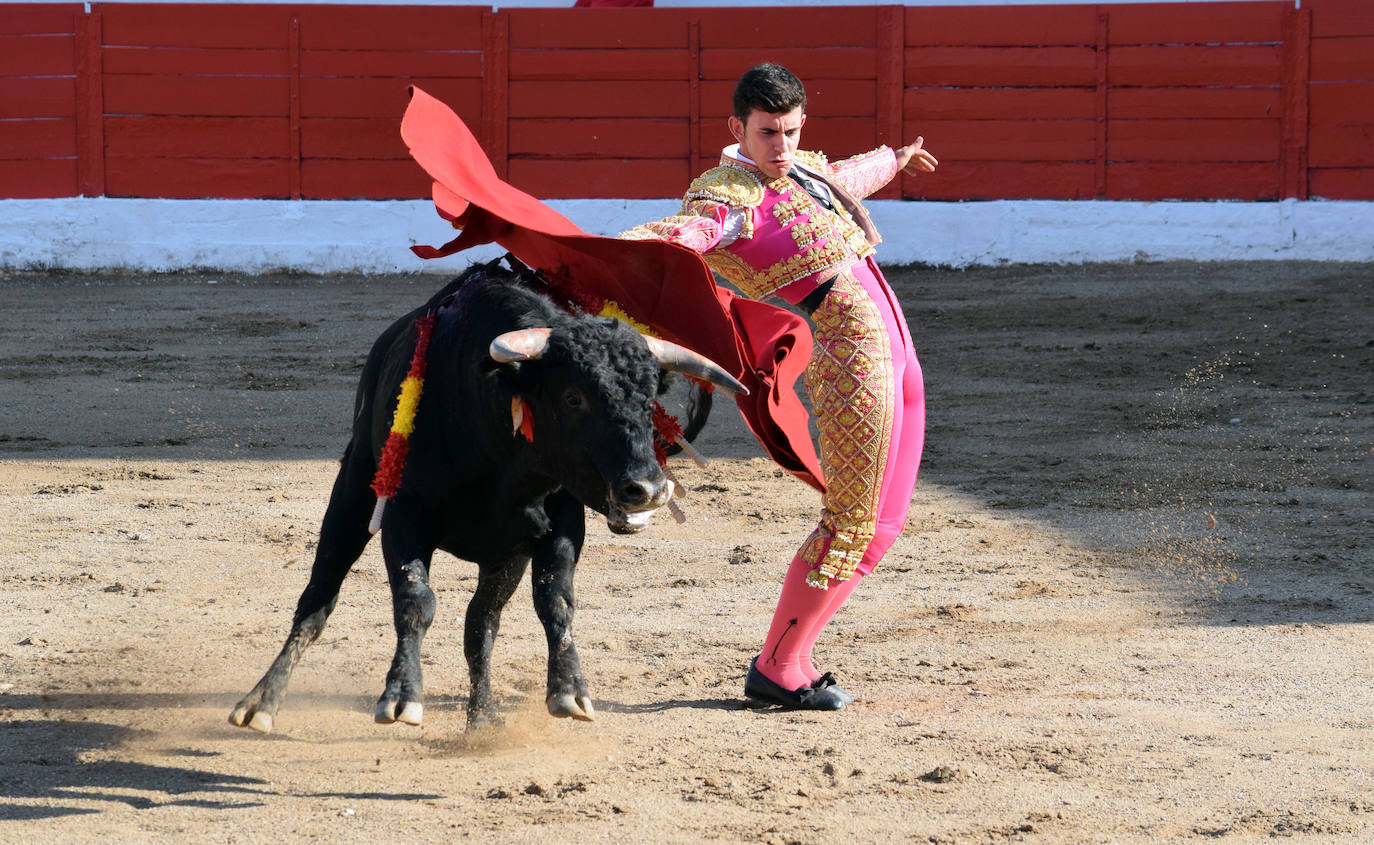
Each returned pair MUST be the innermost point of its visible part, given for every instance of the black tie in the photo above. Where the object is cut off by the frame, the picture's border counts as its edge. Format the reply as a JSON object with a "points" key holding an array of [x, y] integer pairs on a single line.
{"points": [[812, 187]]}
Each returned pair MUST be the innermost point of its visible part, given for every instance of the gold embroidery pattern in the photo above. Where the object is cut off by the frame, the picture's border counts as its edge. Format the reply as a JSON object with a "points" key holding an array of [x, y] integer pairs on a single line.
{"points": [[812, 160], [726, 184], [696, 233], [861, 175], [849, 380], [798, 202]]}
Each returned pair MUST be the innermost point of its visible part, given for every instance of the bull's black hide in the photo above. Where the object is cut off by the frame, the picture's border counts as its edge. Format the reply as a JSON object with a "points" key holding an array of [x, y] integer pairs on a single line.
{"points": [[478, 490]]}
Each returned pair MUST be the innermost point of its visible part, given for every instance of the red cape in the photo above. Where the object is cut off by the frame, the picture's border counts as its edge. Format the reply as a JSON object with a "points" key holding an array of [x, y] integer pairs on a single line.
{"points": [[664, 286]]}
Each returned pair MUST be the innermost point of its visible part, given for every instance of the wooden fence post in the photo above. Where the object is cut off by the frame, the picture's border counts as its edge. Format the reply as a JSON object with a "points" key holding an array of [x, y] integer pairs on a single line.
{"points": [[694, 163], [890, 44], [496, 89], [1100, 164], [1297, 54], [293, 110], [90, 106]]}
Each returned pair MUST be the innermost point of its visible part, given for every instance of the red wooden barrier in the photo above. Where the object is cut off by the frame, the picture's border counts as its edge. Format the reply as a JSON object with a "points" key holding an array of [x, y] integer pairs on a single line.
{"points": [[1251, 100]]}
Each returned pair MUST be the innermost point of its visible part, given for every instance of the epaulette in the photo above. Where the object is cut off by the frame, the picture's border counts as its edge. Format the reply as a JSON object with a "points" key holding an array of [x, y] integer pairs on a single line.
{"points": [[731, 186], [812, 161]]}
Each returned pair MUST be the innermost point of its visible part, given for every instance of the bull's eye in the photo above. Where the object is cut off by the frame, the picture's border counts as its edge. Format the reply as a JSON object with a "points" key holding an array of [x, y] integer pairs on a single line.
{"points": [[574, 399]]}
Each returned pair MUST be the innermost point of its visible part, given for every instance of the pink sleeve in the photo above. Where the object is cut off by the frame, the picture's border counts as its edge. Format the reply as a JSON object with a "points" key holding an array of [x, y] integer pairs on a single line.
{"points": [[698, 231], [864, 174]]}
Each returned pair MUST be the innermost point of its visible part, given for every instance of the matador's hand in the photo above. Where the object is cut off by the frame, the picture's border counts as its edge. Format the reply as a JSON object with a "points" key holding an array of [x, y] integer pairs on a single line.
{"points": [[914, 159]]}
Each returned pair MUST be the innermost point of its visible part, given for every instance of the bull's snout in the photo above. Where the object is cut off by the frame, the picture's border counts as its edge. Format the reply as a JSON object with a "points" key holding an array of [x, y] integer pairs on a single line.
{"points": [[635, 495], [634, 502]]}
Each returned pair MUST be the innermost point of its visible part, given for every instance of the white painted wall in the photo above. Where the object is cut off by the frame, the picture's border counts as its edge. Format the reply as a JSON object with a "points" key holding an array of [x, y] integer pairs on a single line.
{"points": [[256, 236]]}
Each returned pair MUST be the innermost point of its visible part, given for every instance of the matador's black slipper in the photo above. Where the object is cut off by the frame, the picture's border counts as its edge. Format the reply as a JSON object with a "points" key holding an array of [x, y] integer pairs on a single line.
{"points": [[760, 687]]}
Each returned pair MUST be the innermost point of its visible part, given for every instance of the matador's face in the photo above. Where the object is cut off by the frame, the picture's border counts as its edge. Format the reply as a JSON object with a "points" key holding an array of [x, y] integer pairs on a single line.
{"points": [[769, 140]]}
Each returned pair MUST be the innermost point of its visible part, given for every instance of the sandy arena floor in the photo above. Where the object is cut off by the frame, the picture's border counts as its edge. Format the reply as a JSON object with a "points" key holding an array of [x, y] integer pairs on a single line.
{"points": [[1134, 602]]}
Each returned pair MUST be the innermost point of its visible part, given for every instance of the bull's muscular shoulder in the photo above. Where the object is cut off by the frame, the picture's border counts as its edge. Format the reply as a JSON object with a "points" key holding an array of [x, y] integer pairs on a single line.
{"points": [[727, 185]]}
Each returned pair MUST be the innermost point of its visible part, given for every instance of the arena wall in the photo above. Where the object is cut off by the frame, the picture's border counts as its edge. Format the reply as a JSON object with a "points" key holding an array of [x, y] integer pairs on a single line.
{"points": [[1143, 109]]}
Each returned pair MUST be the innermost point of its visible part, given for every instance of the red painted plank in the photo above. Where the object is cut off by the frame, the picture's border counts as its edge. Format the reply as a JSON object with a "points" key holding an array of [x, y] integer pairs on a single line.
{"points": [[90, 105], [40, 18], [1341, 102], [1194, 140], [622, 64], [1227, 64], [202, 96], [765, 29], [38, 139], [331, 179], [494, 128], [1348, 183], [396, 28], [625, 178], [335, 97], [40, 55], [824, 97], [1192, 181], [805, 62], [1332, 18], [1295, 123], [1343, 59], [995, 66], [597, 99], [1001, 26], [197, 178], [41, 97], [1007, 140], [246, 26], [614, 137], [597, 28], [189, 61], [1126, 103], [888, 57], [390, 63], [196, 137], [352, 138], [1000, 103], [54, 177], [1197, 23], [987, 180], [1342, 146]]}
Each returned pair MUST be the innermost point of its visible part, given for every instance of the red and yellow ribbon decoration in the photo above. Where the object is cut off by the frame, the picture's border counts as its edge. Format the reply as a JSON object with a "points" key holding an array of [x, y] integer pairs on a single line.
{"points": [[388, 477]]}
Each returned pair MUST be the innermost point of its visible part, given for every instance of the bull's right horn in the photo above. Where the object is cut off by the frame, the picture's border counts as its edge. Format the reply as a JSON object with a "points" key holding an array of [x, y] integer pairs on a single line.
{"points": [[680, 359], [519, 345]]}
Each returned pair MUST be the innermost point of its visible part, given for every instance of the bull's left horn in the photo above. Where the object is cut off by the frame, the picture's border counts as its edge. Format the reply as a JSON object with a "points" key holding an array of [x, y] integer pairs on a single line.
{"points": [[519, 345], [680, 359]]}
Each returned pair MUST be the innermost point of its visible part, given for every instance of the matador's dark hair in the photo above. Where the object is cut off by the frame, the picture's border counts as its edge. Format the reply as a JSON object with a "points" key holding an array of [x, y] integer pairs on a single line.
{"points": [[770, 88]]}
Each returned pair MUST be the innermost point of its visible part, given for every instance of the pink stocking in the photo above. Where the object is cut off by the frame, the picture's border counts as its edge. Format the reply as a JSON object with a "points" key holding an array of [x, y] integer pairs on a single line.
{"points": [[836, 596], [801, 608]]}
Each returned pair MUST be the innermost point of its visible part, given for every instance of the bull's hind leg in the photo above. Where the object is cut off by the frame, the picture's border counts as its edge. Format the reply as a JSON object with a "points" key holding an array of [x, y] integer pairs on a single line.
{"points": [[495, 584], [408, 551], [555, 558], [343, 536]]}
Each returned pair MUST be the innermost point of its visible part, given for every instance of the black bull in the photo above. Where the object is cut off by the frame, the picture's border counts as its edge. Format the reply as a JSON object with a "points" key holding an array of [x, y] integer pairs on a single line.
{"points": [[479, 490]]}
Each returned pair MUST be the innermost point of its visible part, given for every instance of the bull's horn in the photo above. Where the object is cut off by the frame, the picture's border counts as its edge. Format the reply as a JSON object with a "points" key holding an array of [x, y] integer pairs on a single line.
{"points": [[680, 359], [519, 345]]}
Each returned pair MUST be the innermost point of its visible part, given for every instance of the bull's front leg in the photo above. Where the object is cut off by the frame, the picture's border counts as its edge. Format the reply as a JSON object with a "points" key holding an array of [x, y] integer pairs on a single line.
{"points": [[496, 581], [555, 558], [408, 552]]}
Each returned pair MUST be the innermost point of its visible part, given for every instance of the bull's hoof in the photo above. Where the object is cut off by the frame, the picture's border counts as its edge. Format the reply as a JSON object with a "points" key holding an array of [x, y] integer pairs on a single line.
{"points": [[410, 713], [566, 705], [245, 716]]}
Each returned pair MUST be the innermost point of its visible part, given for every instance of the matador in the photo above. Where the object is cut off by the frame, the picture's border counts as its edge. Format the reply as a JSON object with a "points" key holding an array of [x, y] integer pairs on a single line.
{"points": [[775, 220]]}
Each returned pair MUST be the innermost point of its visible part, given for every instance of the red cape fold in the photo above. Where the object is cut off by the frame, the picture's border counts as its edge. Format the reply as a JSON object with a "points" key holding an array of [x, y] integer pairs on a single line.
{"points": [[662, 285]]}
